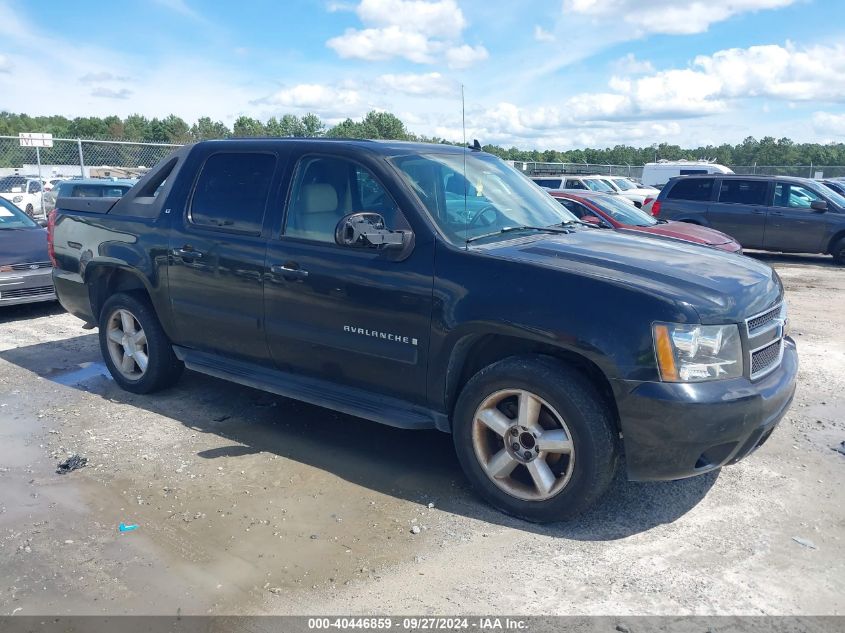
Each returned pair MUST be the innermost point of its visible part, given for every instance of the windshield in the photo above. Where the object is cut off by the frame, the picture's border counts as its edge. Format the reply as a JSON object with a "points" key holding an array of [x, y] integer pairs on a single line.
{"points": [[598, 185], [624, 185], [13, 218], [836, 198], [12, 184], [622, 211], [492, 196]]}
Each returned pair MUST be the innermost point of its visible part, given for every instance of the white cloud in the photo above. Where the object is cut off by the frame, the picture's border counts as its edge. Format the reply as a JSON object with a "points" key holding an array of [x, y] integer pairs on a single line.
{"points": [[630, 65], [5, 64], [465, 56], [666, 16], [542, 35], [315, 97], [381, 44], [426, 84], [827, 125], [101, 76], [421, 31], [442, 18], [111, 93]]}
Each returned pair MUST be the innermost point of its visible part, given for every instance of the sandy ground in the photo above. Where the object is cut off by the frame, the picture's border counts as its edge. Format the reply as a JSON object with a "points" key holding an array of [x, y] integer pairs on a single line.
{"points": [[251, 503]]}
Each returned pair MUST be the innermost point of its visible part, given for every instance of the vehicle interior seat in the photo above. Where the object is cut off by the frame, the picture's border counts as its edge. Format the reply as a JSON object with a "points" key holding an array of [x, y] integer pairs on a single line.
{"points": [[317, 213]]}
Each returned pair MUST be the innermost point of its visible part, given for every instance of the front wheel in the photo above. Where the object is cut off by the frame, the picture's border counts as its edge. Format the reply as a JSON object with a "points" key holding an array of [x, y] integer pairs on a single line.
{"points": [[535, 438], [137, 352], [838, 252]]}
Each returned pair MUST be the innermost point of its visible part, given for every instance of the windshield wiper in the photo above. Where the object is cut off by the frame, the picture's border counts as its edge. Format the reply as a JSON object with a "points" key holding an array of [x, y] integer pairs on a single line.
{"points": [[508, 229]]}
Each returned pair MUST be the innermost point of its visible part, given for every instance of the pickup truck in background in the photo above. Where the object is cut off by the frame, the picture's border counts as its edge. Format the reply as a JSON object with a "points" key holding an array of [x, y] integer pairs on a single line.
{"points": [[434, 287]]}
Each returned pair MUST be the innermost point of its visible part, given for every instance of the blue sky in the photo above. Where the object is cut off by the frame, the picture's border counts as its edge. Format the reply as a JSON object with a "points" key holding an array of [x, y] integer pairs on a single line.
{"points": [[550, 73]]}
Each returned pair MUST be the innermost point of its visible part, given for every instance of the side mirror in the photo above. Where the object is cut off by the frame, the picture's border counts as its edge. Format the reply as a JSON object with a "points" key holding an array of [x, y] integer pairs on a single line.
{"points": [[819, 206], [366, 230], [591, 219]]}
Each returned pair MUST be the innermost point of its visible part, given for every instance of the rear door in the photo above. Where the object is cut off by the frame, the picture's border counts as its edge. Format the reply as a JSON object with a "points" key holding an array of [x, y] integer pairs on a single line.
{"points": [[687, 199], [792, 225], [217, 249], [357, 317], [740, 210]]}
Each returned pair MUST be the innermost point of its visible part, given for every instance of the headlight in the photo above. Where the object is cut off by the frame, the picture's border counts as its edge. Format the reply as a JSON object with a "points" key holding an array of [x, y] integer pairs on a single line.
{"points": [[693, 353], [17, 199]]}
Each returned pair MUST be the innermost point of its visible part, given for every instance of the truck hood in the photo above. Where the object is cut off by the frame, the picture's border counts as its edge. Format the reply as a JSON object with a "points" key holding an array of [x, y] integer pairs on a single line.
{"points": [[23, 246], [720, 287]]}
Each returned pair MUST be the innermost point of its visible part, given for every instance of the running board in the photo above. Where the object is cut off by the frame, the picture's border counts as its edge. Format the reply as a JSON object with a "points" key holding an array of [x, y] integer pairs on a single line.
{"points": [[352, 400]]}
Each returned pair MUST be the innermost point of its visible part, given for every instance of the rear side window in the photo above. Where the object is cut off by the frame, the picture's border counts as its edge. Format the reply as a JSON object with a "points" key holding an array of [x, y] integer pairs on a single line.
{"points": [[744, 191], [231, 192], [87, 191], [691, 189], [572, 183]]}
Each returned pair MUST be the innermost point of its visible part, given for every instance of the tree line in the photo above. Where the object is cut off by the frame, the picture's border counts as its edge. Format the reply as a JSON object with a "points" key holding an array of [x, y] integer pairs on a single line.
{"points": [[384, 125]]}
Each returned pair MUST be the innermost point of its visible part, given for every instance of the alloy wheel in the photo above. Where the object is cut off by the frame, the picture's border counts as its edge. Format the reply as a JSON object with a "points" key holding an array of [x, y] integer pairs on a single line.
{"points": [[523, 444], [127, 344]]}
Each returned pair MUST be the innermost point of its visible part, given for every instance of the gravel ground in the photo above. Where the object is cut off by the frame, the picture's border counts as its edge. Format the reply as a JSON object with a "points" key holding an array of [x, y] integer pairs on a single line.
{"points": [[250, 503]]}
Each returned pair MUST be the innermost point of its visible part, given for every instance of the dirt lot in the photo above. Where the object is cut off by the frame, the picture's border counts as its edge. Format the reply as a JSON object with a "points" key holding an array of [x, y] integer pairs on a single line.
{"points": [[250, 503]]}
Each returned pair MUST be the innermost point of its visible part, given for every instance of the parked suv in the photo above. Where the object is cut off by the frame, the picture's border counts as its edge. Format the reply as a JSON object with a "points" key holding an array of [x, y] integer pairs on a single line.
{"points": [[429, 286], [773, 213]]}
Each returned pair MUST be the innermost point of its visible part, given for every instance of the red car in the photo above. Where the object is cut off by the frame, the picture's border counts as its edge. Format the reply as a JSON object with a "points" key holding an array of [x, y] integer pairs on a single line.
{"points": [[605, 210]]}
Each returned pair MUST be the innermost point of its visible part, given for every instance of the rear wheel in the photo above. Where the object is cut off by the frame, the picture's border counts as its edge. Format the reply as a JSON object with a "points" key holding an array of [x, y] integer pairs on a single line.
{"points": [[838, 252], [137, 352], [535, 438]]}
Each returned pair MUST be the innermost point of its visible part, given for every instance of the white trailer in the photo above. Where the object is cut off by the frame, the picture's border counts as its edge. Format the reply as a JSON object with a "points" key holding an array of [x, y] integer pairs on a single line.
{"points": [[658, 174]]}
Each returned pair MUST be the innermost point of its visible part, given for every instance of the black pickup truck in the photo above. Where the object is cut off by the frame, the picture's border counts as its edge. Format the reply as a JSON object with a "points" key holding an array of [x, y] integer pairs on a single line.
{"points": [[429, 286]]}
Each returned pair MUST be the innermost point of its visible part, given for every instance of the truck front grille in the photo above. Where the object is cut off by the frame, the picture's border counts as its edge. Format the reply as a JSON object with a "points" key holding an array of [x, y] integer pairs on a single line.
{"points": [[763, 359], [765, 332], [767, 317]]}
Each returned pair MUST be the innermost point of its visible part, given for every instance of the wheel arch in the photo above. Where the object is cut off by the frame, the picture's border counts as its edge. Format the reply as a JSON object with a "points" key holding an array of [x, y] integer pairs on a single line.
{"points": [[473, 352], [834, 241], [106, 280]]}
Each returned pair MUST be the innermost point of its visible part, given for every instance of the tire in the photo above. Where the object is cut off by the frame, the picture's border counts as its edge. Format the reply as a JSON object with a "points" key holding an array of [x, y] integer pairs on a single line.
{"points": [[570, 410], [135, 348], [838, 252]]}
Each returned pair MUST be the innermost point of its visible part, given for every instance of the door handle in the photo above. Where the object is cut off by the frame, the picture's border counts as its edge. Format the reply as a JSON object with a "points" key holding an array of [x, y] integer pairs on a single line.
{"points": [[289, 271], [187, 253], [757, 211]]}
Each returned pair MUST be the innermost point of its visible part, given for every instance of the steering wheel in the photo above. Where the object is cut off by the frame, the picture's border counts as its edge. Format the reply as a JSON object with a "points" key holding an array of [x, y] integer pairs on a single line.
{"points": [[480, 213]]}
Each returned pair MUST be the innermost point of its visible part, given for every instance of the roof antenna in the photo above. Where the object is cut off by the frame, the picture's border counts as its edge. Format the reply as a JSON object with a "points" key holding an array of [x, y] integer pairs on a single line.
{"points": [[464, 127]]}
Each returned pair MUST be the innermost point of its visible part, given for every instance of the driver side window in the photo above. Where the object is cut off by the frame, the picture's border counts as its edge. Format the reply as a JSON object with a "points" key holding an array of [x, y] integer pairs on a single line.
{"points": [[327, 189]]}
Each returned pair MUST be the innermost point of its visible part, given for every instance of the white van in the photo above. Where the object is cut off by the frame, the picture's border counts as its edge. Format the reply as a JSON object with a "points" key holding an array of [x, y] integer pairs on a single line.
{"points": [[658, 174]]}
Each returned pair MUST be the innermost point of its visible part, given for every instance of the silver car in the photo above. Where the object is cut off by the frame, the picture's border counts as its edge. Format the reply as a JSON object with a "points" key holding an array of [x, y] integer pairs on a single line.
{"points": [[25, 268]]}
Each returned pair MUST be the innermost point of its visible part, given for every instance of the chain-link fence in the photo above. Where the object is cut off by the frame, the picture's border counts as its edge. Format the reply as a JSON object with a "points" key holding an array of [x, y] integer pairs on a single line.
{"points": [[554, 169], [28, 174], [636, 171], [75, 158]]}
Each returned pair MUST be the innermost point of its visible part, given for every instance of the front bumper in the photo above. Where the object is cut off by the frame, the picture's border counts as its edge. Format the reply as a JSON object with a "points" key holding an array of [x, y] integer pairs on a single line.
{"points": [[674, 430], [26, 286]]}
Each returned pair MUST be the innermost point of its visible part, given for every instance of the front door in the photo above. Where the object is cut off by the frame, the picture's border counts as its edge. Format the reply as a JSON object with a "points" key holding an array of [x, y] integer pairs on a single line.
{"points": [[358, 317], [792, 225], [216, 256], [740, 210]]}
